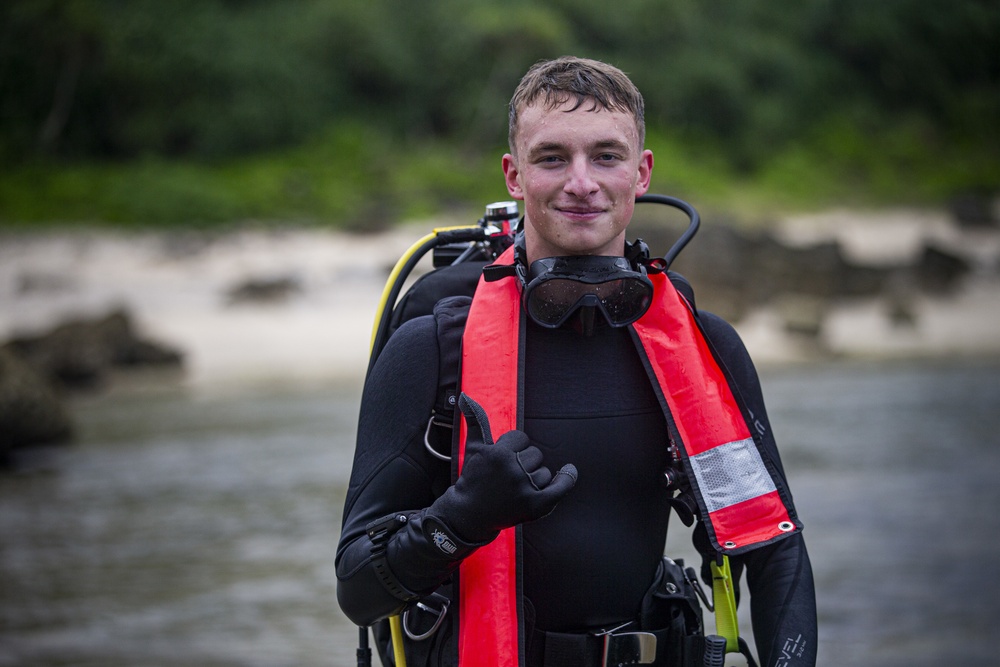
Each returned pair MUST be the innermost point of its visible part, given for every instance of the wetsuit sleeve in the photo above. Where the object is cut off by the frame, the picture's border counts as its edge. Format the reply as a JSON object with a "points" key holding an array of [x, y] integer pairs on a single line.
{"points": [[779, 576], [394, 474], [782, 603]]}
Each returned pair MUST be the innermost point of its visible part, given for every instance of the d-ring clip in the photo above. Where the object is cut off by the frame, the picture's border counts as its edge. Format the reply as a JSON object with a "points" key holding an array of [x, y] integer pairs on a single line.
{"points": [[427, 442], [440, 613]]}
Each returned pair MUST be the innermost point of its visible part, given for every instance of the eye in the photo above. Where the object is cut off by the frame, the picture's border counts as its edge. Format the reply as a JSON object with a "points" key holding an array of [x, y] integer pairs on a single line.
{"points": [[549, 160]]}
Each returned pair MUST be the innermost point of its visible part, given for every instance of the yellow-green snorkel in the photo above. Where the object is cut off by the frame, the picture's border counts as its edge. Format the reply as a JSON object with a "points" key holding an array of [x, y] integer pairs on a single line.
{"points": [[724, 599]]}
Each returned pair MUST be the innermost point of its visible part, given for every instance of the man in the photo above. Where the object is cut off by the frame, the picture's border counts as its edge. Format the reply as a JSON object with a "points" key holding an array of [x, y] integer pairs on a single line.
{"points": [[546, 532]]}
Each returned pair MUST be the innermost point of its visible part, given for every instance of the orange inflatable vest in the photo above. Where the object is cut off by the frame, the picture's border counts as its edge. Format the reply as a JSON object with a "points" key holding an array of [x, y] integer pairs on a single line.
{"points": [[742, 499]]}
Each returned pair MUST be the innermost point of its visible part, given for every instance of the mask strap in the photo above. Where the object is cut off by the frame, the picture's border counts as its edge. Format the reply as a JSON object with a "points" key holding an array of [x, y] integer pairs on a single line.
{"points": [[495, 272]]}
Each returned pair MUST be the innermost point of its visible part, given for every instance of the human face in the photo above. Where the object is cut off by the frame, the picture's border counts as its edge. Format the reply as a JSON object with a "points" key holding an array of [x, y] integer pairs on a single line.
{"points": [[578, 173]]}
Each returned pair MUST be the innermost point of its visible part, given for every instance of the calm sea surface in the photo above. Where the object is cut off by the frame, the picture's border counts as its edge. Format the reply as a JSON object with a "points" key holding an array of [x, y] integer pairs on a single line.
{"points": [[194, 528]]}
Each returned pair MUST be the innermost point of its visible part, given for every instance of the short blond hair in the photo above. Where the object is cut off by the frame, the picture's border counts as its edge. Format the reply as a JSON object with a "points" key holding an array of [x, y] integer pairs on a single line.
{"points": [[562, 79]]}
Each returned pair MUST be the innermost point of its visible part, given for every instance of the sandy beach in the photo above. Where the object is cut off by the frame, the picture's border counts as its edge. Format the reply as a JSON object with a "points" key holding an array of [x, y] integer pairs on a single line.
{"points": [[179, 288]]}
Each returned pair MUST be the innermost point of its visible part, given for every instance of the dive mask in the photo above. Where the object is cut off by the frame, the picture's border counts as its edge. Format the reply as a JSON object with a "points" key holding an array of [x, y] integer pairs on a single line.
{"points": [[556, 288]]}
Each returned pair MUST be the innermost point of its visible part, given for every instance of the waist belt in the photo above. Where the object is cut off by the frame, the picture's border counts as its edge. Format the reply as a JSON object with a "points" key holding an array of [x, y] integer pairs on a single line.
{"points": [[603, 649]]}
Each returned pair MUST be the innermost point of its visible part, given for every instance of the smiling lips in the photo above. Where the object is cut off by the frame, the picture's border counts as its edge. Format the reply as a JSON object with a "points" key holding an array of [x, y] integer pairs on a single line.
{"points": [[579, 213]]}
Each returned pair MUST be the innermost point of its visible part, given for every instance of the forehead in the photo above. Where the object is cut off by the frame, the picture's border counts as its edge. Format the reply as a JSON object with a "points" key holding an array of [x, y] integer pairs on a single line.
{"points": [[540, 123]]}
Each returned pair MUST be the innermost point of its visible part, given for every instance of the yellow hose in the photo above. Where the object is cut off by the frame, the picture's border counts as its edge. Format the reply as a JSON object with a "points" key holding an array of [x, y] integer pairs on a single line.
{"points": [[394, 275], [397, 641], [387, 290]]}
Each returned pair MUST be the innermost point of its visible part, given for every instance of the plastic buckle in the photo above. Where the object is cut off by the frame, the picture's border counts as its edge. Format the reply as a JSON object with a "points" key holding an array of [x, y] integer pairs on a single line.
{"points": [[380, 530], [628, 648], [692, 578]]}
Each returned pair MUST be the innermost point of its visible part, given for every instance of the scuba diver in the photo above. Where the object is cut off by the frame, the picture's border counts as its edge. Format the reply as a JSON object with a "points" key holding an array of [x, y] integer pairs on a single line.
{"points": [[590, 400]]}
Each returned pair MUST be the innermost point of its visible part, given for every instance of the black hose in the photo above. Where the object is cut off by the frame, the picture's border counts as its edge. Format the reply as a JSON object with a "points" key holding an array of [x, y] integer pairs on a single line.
{"points": [[685, 238], [364, 653]]}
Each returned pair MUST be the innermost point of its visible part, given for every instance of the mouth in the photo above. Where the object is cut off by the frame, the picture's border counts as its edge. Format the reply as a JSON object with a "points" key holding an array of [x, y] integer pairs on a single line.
{"points": [[579, 212]]}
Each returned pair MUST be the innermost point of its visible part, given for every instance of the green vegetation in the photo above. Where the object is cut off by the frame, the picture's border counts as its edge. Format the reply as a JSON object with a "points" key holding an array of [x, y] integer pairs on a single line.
{"points": [[212, 112], [352, 177]]}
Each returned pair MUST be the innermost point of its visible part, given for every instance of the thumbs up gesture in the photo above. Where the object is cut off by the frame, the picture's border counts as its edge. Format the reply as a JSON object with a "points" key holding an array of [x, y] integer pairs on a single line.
{"points": [[501, 484]]}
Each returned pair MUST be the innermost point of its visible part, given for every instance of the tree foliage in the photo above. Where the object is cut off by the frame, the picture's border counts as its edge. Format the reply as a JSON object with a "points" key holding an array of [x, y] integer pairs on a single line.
{"points": [[204, 79]]}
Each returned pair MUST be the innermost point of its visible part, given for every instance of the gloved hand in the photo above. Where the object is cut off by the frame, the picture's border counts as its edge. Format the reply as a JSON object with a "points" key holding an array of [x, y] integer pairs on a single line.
{"points": [[501, 484]]}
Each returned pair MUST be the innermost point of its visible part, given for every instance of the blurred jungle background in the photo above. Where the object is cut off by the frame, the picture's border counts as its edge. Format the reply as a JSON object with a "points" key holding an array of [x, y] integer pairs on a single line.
{"points": [[354, 114], [200, 202]]}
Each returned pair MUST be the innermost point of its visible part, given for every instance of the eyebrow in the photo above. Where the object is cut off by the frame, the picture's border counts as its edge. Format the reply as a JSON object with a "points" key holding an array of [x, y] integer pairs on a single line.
{"points": [[612, 143], [547, 147]]}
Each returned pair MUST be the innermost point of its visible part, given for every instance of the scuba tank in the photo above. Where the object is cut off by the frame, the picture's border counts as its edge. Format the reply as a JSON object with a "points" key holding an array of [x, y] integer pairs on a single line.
{"points": [[469, 247]]}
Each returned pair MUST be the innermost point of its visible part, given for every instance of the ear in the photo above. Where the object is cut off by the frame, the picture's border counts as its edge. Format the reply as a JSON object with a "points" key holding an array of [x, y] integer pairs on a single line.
{"points": [[645, 173], [510, 174]]}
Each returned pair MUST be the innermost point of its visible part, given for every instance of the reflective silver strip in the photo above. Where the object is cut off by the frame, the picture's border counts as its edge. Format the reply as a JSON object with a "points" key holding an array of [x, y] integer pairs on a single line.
{"points": [[731, 473]]}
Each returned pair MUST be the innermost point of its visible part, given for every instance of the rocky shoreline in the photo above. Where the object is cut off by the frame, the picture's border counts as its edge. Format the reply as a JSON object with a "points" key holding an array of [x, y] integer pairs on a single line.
{"points": [[38, 372], [854, 284], [80, 306]]}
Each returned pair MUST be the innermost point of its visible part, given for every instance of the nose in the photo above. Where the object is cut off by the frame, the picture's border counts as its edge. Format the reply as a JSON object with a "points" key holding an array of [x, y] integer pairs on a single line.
{"points": [[579, 179]]}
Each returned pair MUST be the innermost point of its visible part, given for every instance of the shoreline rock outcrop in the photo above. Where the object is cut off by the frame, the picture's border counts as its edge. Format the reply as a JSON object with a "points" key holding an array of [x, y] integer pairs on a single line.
{"points": [[31, 412], [737, 271], [80, 354], [38, 371]]}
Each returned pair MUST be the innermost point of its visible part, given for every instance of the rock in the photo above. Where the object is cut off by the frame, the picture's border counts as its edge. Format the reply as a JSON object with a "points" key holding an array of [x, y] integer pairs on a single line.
{"points": [[973, 209], [35, 282], [819, 270], [900, 300], [79, 354], [30, 411], [734, 271], [802, 315], [263, 290], [720, 263], [939, 270]]}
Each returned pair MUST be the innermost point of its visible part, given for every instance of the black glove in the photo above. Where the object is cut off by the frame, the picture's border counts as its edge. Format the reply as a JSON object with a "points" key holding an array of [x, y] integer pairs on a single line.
{"points": [[501, 485]]}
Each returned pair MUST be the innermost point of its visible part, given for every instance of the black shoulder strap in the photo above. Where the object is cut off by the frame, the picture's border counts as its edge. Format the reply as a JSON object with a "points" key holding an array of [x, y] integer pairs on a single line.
{"points": [[682, 285], [450, 315], [420, 299]]}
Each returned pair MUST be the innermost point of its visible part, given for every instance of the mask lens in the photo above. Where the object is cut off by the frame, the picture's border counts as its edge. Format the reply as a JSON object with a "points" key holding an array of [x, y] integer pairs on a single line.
{"points": [[552, 301], [622, 300]]}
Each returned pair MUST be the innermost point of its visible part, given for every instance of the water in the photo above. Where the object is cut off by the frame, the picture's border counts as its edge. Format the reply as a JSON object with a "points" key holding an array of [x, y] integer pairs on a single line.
{"points": [[182, 530], [198, 528], [894, 468]]}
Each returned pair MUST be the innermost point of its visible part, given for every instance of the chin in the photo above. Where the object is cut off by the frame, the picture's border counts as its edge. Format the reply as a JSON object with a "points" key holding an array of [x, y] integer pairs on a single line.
{"points": [[596, 247]]}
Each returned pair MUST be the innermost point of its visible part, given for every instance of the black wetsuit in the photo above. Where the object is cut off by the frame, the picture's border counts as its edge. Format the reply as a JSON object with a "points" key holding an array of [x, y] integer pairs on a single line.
{"points": [[587, 401]]}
